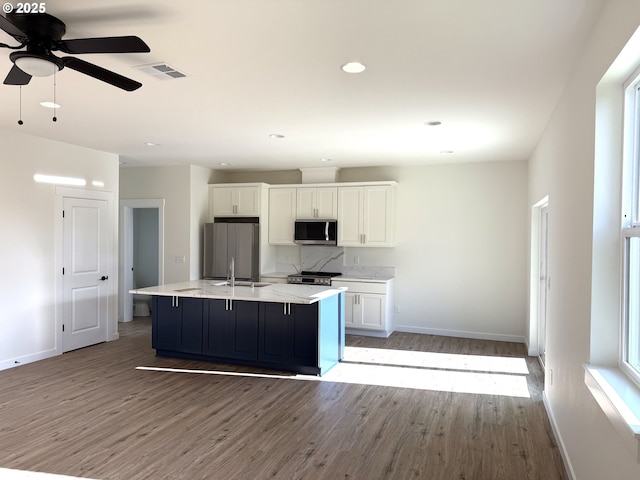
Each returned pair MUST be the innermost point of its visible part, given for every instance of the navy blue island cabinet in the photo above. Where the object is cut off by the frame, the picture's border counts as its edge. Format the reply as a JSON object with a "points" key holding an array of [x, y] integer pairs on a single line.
{"points": [[303, 338]]}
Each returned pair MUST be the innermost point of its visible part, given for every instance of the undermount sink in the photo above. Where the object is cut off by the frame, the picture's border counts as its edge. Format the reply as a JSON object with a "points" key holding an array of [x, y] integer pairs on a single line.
{"points": [[243, 283]]}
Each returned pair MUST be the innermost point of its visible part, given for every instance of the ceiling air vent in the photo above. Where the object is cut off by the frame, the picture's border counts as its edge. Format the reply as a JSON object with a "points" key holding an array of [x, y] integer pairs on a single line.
{"points": [[161, 71]]}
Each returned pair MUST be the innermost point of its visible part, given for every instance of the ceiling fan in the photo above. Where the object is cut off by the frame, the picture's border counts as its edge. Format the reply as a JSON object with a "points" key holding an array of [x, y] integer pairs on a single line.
{"points": [[42, 34]]}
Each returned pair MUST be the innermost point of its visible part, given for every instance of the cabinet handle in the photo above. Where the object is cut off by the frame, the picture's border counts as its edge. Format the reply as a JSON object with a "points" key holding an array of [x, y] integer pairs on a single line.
{"points": [[284, 308], [289, 309], [174, 301]]}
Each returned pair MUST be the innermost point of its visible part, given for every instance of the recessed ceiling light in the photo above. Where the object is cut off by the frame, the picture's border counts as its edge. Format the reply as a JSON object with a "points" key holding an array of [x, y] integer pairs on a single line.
{"points": [[224, 164], [275, 135], [434, 123], [446, 151], [353, 67], [325, 159], [150, 144], [50, 105]]}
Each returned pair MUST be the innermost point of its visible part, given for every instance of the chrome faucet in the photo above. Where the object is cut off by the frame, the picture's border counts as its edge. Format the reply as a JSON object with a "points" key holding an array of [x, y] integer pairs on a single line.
{"points": [[232, 270]]}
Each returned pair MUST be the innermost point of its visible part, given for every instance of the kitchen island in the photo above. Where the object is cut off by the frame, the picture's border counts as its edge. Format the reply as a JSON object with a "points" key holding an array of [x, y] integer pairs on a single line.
{"points": [[297, 328]]}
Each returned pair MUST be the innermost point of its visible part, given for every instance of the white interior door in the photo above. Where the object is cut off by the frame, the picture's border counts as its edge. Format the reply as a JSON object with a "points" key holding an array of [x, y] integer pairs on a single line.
{"points": [[544, 283], [85, 276]]}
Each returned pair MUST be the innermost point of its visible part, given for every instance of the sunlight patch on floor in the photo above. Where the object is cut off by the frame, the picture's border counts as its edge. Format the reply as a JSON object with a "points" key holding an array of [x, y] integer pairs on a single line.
{"points": [[416, 370], [447, 361], [430, 379], [9, 474]]}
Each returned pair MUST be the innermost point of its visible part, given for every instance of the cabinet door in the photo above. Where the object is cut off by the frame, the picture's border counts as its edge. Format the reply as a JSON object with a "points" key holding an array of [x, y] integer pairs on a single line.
{"points": [[190, 324], [177, 324], [247, 201], [378, 216], [350, 216], [306, 203], [274, 333], [282, 215], [231, 329], [217, 324], [165, 319], [372, 311], [245, 330], [222, 201], [327, 202], [351, 314]]}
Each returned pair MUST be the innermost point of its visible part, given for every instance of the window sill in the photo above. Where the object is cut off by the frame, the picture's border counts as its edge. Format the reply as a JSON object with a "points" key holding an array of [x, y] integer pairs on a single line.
{"points": [[619, 399]]}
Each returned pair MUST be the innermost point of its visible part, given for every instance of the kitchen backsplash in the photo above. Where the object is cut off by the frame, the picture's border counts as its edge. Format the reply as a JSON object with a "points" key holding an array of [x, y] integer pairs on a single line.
{"points": [[331, 259]]}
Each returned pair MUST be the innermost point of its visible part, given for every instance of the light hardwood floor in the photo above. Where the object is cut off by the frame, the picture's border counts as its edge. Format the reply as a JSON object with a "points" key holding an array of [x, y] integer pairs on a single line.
{"points": [[91, 413]]}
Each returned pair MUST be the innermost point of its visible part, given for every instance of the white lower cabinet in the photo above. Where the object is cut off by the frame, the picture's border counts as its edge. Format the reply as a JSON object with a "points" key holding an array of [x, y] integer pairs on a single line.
{"points": [[367, 307]]}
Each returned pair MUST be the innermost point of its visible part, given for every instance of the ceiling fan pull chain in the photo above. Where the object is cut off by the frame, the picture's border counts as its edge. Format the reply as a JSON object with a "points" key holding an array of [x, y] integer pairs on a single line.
{"points": [[20, 122], [55, 119]]}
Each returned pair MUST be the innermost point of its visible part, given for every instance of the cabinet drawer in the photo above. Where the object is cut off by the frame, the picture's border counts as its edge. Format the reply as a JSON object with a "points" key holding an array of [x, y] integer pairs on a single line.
{"points": [[361, 287]]}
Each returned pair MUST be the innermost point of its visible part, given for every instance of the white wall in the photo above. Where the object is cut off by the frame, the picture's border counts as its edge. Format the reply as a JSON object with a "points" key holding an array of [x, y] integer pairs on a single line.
{"points": [[200, 178], [562, 167], [27, 243], [460, 253], [184, 189]]}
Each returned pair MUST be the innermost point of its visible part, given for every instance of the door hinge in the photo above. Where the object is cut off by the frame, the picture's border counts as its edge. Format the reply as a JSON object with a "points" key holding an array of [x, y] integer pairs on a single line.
{"points": [[63, 327], [62, 213], [63, 270]]}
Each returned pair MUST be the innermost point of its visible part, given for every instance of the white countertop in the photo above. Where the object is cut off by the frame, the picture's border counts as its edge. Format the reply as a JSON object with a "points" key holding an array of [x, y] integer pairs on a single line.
{"points": [[277, 292]]}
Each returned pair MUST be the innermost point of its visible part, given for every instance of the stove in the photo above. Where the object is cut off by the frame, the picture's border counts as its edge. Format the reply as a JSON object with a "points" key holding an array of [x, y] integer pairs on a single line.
{"points": [[312, 278]]}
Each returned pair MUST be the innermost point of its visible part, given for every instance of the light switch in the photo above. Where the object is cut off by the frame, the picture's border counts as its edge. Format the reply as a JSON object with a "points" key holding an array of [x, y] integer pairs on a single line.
{"points": [[180, 258]]}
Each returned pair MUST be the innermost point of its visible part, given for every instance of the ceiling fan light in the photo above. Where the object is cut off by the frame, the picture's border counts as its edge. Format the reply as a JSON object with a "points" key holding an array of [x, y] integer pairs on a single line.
{"points": [[36, 67]]}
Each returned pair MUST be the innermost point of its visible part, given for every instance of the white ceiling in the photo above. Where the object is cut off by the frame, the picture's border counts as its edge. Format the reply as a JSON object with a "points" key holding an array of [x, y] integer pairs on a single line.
{"points": [[490, 70]]}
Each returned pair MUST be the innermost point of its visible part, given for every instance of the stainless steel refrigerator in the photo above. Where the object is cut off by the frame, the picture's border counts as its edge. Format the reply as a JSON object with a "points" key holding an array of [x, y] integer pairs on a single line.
{"points": [[232, 237]]}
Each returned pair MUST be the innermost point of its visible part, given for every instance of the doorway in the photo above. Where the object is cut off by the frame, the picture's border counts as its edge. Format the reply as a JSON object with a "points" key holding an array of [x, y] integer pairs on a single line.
{"points": [[543, 276], [540, 280], [142, 252]]}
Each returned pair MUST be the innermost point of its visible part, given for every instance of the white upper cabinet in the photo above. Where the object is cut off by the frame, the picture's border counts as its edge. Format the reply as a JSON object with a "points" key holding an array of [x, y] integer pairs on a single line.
{"points": [[365, 216], [321, 202], [282, 215], [225, 201]]}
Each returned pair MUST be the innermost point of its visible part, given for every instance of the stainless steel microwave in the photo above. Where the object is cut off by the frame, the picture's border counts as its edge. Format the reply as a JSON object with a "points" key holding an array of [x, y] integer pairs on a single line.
{"points": [[316, 232]]}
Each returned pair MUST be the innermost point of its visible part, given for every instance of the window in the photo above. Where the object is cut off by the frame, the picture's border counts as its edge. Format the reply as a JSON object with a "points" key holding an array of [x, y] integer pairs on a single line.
{"points": [[630, 361]]}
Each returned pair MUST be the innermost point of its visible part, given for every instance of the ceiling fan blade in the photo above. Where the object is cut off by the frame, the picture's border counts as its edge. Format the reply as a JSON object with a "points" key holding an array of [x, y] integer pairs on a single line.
{"points": [[12, 30], [129, 44], [102, 74], [17, 77]]}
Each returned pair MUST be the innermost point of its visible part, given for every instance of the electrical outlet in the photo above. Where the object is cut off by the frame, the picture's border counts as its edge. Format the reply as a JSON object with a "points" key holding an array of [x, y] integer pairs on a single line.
{"points": [[396, 308], [550, 376], [180, 258], [356, 260]]}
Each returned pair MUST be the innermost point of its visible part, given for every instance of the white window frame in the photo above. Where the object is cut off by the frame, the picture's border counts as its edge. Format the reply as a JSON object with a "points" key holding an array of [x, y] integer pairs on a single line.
{"points": [[630, 220]]}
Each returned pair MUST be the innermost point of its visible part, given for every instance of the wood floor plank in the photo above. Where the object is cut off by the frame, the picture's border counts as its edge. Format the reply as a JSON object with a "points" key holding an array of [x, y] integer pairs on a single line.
{"points": [[91, 413]]}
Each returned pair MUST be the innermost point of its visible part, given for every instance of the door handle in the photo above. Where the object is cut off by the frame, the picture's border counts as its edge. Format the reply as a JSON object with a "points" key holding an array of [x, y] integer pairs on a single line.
{"points": [[104, 277]]}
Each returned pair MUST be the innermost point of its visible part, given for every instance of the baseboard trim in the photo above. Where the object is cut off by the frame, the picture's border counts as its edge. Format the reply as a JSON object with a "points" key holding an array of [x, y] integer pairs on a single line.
{"points": [[556, 433], [16, 362], [461, 334]]}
